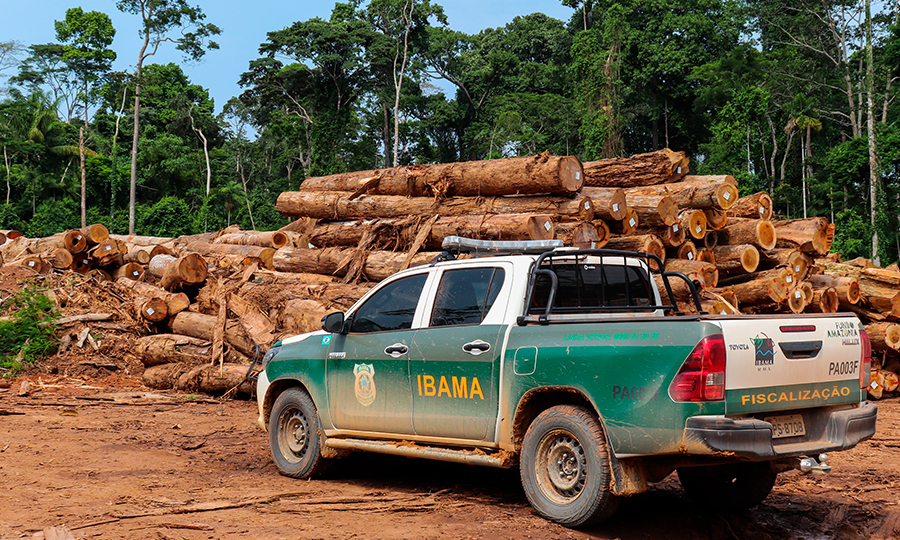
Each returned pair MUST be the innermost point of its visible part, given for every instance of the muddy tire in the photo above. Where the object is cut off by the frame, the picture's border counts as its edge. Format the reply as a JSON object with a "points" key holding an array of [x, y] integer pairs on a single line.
{"points": [[565, 467], [295, 435], [734, 486]]}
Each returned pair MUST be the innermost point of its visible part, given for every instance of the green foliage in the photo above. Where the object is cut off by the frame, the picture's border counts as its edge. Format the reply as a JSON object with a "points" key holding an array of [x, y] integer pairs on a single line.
{"points": [[53, 216], [170, 216], [853, 234], [29, 333]]}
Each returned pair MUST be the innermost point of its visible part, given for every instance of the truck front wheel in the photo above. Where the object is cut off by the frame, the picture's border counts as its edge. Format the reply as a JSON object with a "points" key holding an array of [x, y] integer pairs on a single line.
{"points": [[565, 467], [295, 436], [733, 486]]}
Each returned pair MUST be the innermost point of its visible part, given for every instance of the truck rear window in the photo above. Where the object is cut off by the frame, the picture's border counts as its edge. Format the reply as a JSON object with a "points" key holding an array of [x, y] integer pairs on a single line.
{"points": [[585, 288]]}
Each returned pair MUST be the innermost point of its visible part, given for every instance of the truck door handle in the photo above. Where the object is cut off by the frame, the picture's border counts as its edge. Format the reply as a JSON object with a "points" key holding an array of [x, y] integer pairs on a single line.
{"points": [[396, 350], [476, 347]]}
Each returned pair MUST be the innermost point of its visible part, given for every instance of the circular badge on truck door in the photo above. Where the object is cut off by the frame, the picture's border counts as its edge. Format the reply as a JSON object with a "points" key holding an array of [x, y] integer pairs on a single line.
{"points": [[365, 383]]}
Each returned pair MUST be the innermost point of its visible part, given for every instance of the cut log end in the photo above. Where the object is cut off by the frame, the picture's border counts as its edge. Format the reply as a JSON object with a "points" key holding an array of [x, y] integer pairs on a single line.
{"points": [[571, 173], [75, 241]]}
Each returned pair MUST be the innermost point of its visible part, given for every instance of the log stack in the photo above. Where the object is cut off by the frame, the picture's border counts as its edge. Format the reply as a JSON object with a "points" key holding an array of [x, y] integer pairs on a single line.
{"points": [[247, 288]]}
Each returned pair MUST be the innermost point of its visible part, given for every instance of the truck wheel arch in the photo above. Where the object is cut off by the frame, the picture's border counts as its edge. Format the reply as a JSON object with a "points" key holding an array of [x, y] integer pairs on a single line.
{"points": [[274, 390], [538, 400]]}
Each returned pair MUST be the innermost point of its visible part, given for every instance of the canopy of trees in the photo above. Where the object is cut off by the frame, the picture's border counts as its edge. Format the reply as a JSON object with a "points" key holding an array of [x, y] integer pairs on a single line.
{"points": [[797, 98]]}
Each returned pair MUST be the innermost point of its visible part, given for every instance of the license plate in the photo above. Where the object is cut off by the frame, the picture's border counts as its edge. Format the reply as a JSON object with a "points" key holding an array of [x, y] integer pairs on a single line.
{"points": [[786, 426]]}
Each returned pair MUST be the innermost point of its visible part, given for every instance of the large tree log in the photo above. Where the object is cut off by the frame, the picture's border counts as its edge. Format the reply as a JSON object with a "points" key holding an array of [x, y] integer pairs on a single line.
{"points": [[340, 206], [748, 231], [264, 254], [376, 265], [131, 271], [687, 250], [269, 239], [645, 243], [734, 259], [135, 254], [694, 194], [794, 258], [151, 309], [626, 226], [215, 379], [95, 234], [653, 210], [705, 273], [10, 234], [884, 336], [142, 240], [160, 349], [709, 179], [105, 253], [74, 241], [59, 258], [175, 302], [812, 235], [583, 235], [81, 263], [175, 273], [757, 206], [609, 203], [847, 288], [543, 173], [716, 218], [710, 239], [706, 255], [694, 221], [672, 236], [824, 300], [766, 287], [639, 170], [200, 325]]}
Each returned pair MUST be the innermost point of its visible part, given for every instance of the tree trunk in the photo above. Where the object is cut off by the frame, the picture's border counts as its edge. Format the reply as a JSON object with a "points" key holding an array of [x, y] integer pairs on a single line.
{"points": [[764, 289], [748, 231], [203, 326], [824, 300], [707, 274], [341, 206], [270, 239], [653, 210], [377, 265], [583, 235], [847, 288], [687, 250], [608, 203], [812, 235], [58, 258], [542, 173], [639, 170], [175, 273], [694, 222], [798, 261], [716, 219], [151, 309], [737, 259], [884, 336], [136, 255], [628, 225], [161, 349], [672, 236], [693, 195], [759, 206], [264, 254], [644, 243], [175, 302], [131, 271]]}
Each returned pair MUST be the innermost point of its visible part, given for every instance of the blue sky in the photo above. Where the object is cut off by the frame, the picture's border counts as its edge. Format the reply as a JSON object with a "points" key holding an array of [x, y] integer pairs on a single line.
{"points": [[244, 26]]}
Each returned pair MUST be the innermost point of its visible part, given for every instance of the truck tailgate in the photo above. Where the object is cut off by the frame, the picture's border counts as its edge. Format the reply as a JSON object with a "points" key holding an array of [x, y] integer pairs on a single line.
{"points": [[777, 364]]}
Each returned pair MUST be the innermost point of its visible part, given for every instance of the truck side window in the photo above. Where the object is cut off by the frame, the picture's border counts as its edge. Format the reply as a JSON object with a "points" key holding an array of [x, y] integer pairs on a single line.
{"points": [[588, 287], [391, 308], [465, 296]]}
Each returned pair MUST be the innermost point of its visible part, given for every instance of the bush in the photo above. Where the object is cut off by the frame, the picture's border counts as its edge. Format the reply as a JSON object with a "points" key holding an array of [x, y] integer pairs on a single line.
{"points": [[30, 333]]}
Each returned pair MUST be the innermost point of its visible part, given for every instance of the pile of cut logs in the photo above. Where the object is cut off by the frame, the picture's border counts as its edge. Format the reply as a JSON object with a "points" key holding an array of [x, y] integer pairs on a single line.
{"points": [[248, 288]]}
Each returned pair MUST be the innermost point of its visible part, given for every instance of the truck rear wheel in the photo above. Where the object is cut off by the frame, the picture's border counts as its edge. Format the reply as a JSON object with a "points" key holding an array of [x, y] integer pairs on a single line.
{"points": [[733, 486], [565, 467], [295, 435]]}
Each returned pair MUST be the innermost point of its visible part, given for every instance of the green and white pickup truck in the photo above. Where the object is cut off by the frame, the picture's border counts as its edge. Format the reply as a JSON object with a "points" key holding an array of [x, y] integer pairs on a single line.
{"points": [[561, 362]]}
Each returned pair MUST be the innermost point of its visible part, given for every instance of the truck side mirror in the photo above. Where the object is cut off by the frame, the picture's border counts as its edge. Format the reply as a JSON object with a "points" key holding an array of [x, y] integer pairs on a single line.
{"points": [[333, 322]]}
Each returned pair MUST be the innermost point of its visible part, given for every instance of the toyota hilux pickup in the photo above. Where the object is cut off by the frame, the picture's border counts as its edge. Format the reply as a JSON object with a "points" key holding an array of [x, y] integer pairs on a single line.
{"points": [[568, 364]]}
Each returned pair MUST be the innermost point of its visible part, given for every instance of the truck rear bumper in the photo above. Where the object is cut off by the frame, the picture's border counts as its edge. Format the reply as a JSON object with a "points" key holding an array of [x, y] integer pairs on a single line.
{"points": [[827, 430]]}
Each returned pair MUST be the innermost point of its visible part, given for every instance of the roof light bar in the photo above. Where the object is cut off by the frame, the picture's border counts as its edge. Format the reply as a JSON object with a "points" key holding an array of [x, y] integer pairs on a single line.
{"points": [[458, 244]]}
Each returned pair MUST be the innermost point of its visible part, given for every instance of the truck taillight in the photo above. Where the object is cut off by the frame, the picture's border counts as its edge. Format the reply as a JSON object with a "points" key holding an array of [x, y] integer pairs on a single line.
{"points": [[865, 361], [702, 375]]}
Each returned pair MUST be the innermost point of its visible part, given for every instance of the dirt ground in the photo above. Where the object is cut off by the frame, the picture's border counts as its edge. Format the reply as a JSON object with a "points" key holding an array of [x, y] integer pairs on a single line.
{"points": [[107, 458]]}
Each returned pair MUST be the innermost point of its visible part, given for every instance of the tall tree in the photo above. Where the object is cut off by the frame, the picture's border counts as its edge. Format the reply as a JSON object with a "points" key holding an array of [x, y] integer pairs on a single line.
{"points": [[159, 18], [86, 38]]}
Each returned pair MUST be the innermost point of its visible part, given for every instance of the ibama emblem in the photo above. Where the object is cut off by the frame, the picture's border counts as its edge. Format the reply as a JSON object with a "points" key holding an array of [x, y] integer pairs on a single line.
{"points": [[365, 383], [765, 350]]}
